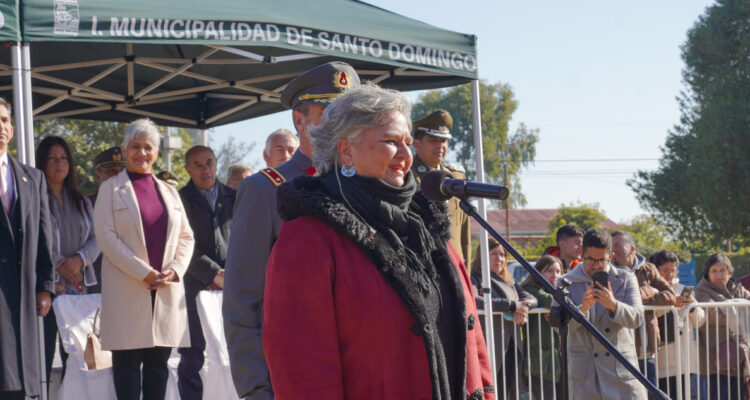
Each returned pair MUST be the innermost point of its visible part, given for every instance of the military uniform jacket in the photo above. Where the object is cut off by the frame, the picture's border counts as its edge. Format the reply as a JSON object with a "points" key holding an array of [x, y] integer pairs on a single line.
{"points": [[460, 224], [255, 227], [593, 373]]}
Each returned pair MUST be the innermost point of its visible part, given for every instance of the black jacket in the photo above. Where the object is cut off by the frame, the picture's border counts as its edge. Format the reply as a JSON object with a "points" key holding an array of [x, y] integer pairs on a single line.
{"points": [[25, 269], [211, 230]]}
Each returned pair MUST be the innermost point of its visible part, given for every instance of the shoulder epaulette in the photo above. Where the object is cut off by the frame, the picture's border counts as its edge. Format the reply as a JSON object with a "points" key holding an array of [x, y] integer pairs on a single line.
{"points": [[454, 167], [274, 176]]}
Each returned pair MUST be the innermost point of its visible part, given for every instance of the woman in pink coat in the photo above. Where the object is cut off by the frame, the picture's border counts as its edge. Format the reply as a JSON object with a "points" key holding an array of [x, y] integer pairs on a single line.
{"points": [[364, 297]]}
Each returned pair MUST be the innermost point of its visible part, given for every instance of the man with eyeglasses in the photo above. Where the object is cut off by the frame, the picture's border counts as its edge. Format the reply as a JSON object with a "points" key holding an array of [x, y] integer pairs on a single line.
{"points": [[655, 291], [615, 310]]}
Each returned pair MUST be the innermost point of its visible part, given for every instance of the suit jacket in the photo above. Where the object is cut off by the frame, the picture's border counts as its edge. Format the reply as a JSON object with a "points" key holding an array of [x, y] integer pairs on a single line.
{"points": [[211, 230], [460, 221], [254, 230], [25, 269], [126, 319], [593, 373]]}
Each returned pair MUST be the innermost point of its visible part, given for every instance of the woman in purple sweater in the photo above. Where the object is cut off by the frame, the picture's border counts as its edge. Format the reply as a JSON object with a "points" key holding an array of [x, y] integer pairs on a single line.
{"points": [[146, 243]]}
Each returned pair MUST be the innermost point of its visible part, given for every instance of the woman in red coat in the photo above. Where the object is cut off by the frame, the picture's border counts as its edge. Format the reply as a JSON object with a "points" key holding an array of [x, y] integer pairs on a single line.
{"points": [[364, 297]]}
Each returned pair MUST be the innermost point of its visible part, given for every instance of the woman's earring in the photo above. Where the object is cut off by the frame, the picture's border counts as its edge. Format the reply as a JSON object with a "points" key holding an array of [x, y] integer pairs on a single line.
{"points": [[348, 171]]}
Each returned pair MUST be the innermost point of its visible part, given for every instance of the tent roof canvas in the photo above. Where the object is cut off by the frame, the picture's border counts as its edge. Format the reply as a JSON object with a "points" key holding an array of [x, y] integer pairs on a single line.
{"points": [[202, 64]]}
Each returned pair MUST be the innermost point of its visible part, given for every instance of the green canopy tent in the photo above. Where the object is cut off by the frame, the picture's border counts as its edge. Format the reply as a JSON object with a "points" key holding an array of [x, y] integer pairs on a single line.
{"points": [[202, 64]]}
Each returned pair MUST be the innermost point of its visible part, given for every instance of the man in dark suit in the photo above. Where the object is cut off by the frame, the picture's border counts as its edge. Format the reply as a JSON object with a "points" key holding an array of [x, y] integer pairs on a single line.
{"points": [[208, 204], [26, 284]]}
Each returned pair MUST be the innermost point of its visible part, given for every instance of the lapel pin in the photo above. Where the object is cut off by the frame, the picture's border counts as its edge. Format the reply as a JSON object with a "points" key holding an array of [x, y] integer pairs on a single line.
{"points": [[23, 178]]}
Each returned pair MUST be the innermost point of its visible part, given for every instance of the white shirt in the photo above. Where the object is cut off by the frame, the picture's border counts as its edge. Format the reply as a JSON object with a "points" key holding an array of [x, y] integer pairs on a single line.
{"points": [[7, 173]]}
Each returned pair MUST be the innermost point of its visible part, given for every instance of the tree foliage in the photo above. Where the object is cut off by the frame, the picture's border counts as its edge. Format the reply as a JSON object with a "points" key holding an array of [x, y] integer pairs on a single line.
{"points": [[702, 186], [88, 138], [651, 237], [587, 216], [501, 150], [231, 152]]}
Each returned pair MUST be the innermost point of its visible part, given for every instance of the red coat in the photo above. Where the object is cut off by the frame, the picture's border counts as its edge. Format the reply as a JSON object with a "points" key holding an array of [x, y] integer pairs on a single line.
{"points": [[334, 329]]}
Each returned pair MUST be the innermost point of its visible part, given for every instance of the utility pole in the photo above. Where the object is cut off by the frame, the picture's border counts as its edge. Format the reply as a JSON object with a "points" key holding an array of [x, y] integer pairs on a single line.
{"points": [[170, 143], [507, 201]]}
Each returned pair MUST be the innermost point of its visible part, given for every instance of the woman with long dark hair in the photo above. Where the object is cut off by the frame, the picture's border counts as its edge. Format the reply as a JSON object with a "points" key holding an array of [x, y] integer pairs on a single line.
{"points": [[73, 243], [514, 302], [543, 356]]}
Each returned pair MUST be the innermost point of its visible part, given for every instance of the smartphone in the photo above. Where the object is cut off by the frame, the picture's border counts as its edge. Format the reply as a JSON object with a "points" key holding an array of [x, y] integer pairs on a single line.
{"points": [[686, 291], [601, 277]]}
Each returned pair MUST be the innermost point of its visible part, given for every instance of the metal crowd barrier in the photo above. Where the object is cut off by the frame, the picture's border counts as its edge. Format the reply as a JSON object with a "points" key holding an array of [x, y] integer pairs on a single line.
{"points": [[713, 328]]}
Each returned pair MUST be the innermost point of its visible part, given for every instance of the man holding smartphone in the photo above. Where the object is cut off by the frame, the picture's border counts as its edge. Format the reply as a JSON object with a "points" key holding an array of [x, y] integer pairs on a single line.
{"points": [[615, 310]]}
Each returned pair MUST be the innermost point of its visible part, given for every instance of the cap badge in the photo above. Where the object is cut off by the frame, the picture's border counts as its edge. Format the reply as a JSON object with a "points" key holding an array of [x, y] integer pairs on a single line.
{"points": [[116, 157], [341, 80]]}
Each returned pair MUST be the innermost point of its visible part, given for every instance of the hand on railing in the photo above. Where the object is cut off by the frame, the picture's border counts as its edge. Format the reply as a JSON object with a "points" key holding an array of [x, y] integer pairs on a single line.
{"points": [[522, 310]]}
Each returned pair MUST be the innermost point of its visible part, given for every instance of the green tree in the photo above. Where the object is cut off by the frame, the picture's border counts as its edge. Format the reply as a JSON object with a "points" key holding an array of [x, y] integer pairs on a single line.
{"points": [[587, 216], [229, 153], [651, 237], [504, 154], [701, 189], [88, 138]]}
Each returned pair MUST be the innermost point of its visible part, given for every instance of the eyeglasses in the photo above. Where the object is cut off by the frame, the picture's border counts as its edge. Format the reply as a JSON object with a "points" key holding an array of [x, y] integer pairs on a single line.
{"points": [[602, 261]]}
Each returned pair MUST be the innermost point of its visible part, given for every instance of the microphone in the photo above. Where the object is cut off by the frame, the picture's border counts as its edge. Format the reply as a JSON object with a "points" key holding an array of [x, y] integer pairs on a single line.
{"points": [[440, 186]]}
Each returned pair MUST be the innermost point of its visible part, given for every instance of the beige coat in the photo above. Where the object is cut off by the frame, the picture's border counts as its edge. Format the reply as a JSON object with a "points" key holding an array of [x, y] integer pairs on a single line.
{"points": [[127, 321]]}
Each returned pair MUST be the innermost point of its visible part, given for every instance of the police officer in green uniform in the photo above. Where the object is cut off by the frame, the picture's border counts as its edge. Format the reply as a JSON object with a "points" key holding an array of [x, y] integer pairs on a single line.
{"points": [[107, 164], [431, 135], [256, 224]]}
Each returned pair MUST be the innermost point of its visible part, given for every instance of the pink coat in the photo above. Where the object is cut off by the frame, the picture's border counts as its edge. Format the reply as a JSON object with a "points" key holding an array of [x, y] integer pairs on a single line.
{"points": [[333, 328]]}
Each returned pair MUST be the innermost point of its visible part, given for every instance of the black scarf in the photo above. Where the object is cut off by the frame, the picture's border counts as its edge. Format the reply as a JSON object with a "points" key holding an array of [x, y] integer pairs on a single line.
{"points": [[405, 236]]}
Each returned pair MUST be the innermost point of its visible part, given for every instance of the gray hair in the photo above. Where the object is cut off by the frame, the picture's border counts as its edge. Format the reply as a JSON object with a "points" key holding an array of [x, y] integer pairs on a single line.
{"points": [[142, 128], [362, 107], [238, 168], [277, 133], [626, 236]]}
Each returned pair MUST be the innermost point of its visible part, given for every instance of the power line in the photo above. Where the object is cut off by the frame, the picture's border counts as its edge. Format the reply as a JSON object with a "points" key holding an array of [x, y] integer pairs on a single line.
{"points": [[602, 160]]}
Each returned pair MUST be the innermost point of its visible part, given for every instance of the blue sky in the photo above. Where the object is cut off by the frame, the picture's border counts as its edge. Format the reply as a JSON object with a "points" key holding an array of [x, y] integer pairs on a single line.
{"points": [[599, 80]]}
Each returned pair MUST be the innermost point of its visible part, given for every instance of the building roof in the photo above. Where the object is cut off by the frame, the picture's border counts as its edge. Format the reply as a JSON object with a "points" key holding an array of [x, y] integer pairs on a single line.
{"points": [[526, 222]]}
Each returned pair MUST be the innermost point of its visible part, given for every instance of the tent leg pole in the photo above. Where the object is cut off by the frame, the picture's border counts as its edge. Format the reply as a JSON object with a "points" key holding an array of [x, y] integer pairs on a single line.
{"points": [[42, 361], [16, 64], [28, 107], [489, 332]]}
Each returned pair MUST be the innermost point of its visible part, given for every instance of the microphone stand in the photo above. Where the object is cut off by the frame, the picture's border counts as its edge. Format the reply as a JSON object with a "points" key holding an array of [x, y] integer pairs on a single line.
{"points": [[569, 309]]}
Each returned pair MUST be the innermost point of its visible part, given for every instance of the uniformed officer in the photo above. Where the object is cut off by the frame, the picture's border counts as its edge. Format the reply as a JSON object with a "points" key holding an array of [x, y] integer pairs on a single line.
{"points": [[169, 177], [431, 136], [107, 164], [256, 226]]}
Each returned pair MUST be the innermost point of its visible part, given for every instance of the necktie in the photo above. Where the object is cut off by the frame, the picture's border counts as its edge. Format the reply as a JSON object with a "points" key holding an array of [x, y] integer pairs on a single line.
{"points": [[4, 192]]}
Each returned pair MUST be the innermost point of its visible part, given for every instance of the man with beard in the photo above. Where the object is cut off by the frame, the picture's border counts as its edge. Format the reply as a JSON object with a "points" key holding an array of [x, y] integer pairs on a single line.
{"points": [[257, 223]]}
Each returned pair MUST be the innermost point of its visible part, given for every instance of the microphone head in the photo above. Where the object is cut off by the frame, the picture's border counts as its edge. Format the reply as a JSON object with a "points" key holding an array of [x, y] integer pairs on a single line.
{"points": [[431, 185]]}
